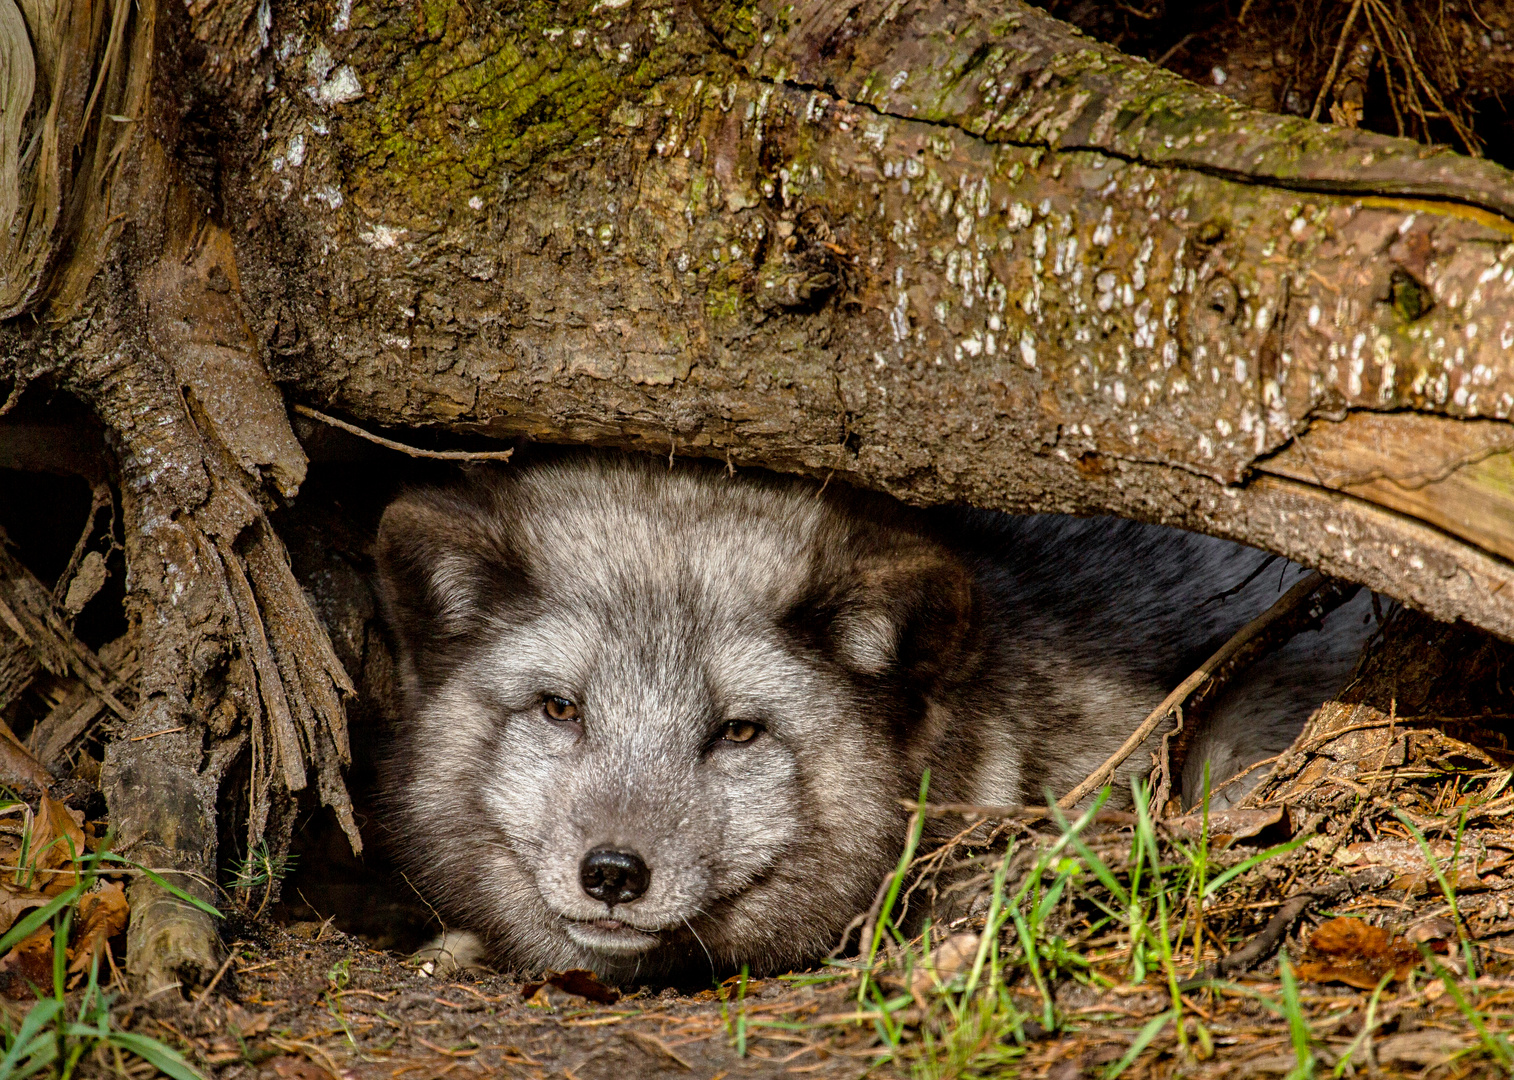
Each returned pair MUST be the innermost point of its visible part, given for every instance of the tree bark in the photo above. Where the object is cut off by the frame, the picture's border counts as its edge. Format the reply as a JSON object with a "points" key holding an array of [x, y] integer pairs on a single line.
{"points": [[954, 251]]}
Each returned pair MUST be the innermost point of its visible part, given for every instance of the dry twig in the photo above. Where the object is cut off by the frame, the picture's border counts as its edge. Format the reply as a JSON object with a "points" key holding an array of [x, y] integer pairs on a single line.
{"points": [[413, 451], [1249, 642]]}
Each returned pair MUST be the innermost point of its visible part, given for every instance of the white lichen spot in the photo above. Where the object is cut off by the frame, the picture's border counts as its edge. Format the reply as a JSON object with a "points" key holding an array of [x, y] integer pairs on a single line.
{"points": [[381, 236], [1223, 427], [343, 86], [1170, 358], [972, 346], [899, 79], [1146, 330], [1239, 370], [1071, 262], [319, 63], [1219, 76], [1038, 242], [1028, 348], [898, 318], [1104, 234], [1018, 216]]}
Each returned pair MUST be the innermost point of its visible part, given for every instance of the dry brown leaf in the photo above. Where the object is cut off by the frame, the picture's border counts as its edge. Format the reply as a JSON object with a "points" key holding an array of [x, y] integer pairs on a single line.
{"points": [[102, 915], [16, 902], [576, 981], [28, 965], [56, 839], [1357, 954]]}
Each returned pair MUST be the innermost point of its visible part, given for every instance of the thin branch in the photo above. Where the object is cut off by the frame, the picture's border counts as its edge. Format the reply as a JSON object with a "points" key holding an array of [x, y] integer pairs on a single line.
{"points": [[1335, 62], [413, 451], [1289, 602]]}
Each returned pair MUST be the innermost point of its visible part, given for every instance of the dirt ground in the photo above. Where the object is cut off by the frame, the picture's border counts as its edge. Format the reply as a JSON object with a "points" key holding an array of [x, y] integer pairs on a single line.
{"points": [[1397, 799]]}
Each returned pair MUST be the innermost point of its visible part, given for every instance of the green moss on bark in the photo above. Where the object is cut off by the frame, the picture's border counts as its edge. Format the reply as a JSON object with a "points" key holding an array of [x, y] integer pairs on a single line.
{"points": [[453, 108]]}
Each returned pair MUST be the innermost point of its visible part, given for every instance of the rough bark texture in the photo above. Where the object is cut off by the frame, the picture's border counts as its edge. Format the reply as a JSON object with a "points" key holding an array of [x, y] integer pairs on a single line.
{"points": [[952, 250]]}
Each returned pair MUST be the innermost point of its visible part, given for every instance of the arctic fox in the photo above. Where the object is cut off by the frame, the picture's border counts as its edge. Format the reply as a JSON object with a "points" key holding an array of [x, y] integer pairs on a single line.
{"points": [[660, 722]]}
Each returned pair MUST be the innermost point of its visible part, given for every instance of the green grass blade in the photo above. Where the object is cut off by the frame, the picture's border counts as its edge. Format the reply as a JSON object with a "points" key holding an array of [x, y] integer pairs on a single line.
{"points": [[161, 1057], [1142, 1041], [1298, 1027], [158, 880], [885, 913], [1445, 885], [1225, 877], [1493, 1042], [41, 1015]]}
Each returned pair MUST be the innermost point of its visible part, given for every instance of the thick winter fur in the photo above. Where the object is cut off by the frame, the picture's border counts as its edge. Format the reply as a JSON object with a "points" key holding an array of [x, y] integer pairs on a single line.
{"points": [[866, 642]]}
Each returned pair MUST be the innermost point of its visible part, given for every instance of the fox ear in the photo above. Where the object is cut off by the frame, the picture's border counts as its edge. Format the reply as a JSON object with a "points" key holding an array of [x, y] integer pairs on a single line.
{"points": [[444, 558], [907, 608]]}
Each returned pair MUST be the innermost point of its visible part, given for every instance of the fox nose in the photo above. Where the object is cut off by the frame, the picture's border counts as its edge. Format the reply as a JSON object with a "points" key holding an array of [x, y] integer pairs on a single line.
{"points": [[614, 877]]}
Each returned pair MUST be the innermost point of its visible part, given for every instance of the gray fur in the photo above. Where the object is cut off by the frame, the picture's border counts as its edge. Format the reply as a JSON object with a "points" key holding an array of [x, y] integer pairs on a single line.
{"points": [[1007, 655]]}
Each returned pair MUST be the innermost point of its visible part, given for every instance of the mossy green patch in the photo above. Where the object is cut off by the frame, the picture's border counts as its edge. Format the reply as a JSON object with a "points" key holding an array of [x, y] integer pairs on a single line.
{"points": [[454, 103]]}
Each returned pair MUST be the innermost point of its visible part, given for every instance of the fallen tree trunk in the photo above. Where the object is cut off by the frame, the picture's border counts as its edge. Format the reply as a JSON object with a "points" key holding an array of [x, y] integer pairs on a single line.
{"points": [[955, 252], [951, 253]]}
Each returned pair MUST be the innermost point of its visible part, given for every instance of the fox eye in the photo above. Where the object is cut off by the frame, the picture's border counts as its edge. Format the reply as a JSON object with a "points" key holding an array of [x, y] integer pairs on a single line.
{"points": [[740, 731], [559, 709]]}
